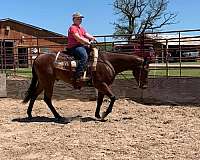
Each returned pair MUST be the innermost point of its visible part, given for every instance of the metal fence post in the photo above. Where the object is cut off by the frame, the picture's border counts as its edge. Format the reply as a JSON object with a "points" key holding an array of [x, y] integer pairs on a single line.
{"points": [[38, 46], [166, 59], [105, 43], [180, 52], [1, 55]]}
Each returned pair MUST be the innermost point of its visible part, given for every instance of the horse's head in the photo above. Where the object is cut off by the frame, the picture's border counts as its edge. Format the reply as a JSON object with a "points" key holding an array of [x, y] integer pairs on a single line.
{"points": [[140, 72]]}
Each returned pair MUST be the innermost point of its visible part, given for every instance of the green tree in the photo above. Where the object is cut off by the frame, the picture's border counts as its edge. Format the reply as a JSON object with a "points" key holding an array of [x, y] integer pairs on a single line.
{"points": [[139, 16]]}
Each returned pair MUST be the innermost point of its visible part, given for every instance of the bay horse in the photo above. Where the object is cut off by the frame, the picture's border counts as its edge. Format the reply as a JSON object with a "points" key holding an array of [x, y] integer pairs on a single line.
{"points": [[109, 64]]}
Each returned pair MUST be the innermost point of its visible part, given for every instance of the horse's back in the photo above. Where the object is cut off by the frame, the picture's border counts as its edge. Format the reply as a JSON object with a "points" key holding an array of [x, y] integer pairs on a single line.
{"points": [[45, 56], [44, 64]]}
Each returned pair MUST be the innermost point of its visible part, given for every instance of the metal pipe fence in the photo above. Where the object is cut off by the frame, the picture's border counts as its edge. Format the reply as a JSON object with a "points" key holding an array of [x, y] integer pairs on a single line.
{"points": [[175, 53]]}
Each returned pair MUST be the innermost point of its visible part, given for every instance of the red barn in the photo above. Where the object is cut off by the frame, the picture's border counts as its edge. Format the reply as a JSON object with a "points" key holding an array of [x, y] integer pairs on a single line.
{"points": [[20, 42]]}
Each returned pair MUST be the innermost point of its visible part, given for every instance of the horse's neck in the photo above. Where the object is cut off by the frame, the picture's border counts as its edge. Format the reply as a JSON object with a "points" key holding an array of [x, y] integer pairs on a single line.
{"points": [[122, 62]]}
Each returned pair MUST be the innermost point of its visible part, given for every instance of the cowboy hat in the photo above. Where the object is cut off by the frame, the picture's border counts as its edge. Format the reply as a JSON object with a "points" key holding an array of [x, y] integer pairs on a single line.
{"points": [[77, 15]]}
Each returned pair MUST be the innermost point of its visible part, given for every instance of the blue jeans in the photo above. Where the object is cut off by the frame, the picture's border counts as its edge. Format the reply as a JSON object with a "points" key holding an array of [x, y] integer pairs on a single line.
{"points": [[80, 53]]}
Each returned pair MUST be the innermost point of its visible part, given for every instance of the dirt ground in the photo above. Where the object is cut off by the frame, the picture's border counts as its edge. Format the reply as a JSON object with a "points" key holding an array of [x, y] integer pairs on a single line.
{"points": [[132, 131]]}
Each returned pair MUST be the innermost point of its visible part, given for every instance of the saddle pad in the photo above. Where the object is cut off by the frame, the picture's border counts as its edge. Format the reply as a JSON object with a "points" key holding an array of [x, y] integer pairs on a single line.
{"points": [[64, 61]]}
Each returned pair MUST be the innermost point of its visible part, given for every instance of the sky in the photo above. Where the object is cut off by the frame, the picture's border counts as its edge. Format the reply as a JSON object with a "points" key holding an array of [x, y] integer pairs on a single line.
{"points": [[99, 15]]}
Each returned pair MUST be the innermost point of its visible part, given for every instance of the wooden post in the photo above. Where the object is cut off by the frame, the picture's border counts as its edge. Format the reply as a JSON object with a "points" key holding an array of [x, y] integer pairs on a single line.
{"points": [[3, 91]]}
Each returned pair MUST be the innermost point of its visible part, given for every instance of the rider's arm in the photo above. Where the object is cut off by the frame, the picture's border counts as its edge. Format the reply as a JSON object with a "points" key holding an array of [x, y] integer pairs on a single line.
{"points": [[89, 36], [82, 40]]}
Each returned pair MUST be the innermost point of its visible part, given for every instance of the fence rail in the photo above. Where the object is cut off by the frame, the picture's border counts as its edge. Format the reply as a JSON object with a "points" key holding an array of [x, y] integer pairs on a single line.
{"points": [[174, 51]]}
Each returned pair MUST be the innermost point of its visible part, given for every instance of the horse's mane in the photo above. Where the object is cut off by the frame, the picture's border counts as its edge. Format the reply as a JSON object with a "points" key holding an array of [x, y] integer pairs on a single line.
{"points": [[103, 54]]}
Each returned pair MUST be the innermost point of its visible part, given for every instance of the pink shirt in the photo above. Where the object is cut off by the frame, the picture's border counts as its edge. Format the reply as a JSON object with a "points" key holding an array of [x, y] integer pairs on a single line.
{"points": [[72, 42]]}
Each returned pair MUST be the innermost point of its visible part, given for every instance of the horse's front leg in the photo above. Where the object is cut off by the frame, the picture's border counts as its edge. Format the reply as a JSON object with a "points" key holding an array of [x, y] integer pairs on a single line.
{"points": [[105, 90], [99, 103], [109, 109]]}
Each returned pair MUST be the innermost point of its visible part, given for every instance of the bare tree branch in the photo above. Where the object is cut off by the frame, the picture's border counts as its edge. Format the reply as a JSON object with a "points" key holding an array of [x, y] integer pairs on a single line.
{"points": [[138, 16]]}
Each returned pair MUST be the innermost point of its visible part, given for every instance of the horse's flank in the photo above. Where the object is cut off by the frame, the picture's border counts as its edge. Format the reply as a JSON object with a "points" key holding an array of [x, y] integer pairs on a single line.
{"points": [[58, 74]]}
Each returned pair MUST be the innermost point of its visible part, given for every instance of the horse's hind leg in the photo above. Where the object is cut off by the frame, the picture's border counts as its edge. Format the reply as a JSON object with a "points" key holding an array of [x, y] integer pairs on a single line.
{"points": [[38, 90], [48, 91], [99, 103]]}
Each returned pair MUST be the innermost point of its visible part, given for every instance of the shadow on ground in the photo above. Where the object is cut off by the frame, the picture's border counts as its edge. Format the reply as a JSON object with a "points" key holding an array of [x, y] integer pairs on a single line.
{"points": [[64, 120]]}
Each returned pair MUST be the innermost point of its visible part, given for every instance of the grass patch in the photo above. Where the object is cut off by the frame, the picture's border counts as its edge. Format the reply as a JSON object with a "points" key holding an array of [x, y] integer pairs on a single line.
{"points": [[186, 72], [164, 73], [27, 72], [24, 72]]}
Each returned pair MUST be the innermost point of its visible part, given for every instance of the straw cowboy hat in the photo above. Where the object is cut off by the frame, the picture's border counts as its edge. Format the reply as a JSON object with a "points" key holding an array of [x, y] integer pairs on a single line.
{"points": [[77, 15]]}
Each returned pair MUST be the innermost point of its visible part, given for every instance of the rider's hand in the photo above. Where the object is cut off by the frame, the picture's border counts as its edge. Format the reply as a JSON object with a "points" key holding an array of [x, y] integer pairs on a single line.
{"points": [[93, 41], [93, 44], [87, 42]]}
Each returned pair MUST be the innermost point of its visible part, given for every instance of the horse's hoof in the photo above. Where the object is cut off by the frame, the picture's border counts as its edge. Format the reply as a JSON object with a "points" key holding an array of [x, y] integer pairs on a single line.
{"points": [[30, 116], [61, 120], [97, 116], [103, 120], [103, 116], [58, 118]]}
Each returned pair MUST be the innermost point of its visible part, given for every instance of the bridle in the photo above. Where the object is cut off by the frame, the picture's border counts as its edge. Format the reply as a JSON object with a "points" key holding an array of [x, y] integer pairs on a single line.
{"points": [[141, 67]]}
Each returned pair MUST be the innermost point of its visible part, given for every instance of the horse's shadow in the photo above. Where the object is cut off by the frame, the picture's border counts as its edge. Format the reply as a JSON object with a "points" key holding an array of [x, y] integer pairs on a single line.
{"points": [[63, 120]]}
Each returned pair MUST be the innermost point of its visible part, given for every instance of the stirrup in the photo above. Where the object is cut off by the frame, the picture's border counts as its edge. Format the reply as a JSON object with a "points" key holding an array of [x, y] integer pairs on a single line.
{"points": [[84, 78]]}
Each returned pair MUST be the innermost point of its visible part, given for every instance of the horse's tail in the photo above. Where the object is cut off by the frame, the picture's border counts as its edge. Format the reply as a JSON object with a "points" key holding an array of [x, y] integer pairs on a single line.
{"points": [[29, 93]]}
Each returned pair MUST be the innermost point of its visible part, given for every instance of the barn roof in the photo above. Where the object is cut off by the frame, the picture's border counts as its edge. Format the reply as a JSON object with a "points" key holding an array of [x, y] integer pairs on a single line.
{"points": [[31, 26], [174, 39]]}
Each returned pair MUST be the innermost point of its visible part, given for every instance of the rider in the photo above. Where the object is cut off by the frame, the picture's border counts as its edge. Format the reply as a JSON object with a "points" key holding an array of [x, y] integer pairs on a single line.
{"points": [[78, 42]]}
